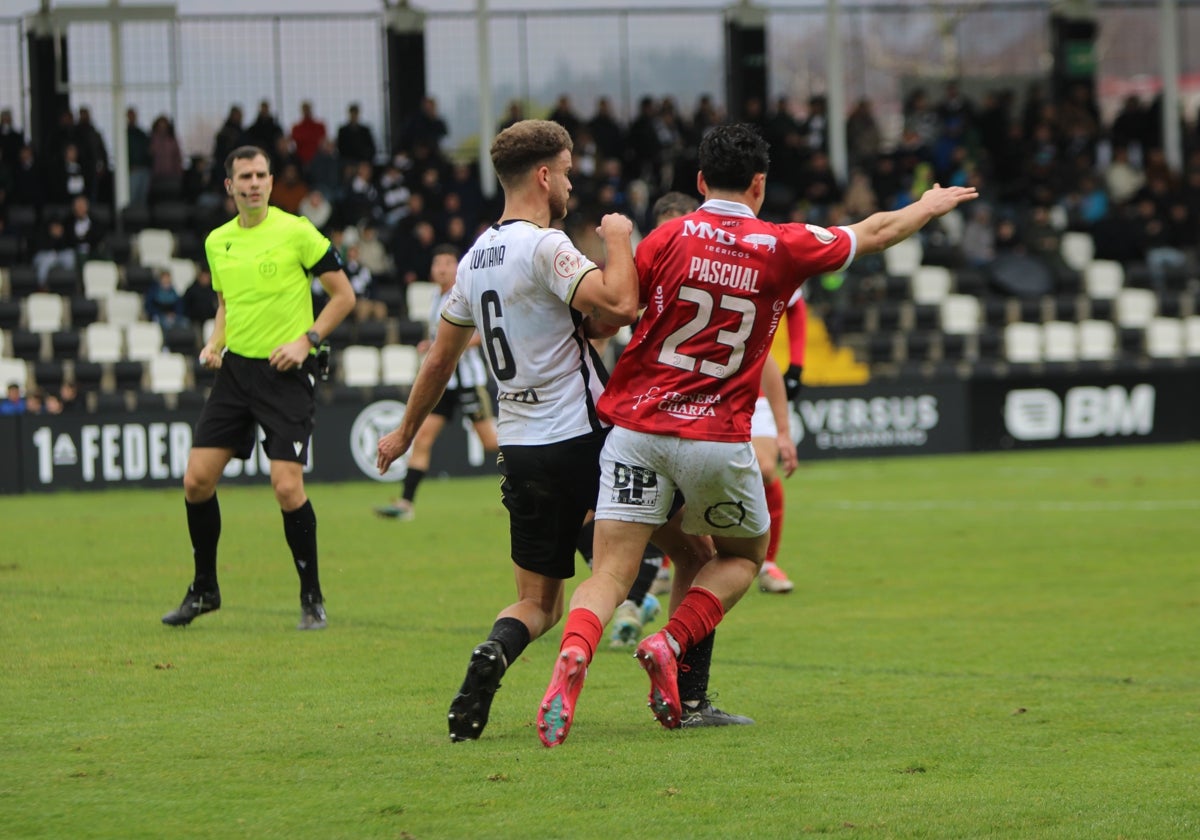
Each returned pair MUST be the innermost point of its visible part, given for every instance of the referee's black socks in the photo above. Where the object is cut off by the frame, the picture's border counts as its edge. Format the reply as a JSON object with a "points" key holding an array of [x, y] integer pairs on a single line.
{"points": [[300, 529], [204, 528]]}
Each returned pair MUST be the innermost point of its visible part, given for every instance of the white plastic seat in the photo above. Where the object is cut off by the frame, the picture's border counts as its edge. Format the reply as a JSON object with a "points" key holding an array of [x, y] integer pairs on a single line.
{"points": [[143, 340], [931, 283], [1060, 341], [399, 364], [1023, 342], [1191, 335], [1134, 307], [44, 312], [100, 278], [1077, 249], [903, 258], [154, 247], [183, 273], [13, 372], [420, 297], [123, 308], [103, 342], [1097, 341], [360, 365], [1165, 338], [167, 373], [1102, 279], [961, 314]]}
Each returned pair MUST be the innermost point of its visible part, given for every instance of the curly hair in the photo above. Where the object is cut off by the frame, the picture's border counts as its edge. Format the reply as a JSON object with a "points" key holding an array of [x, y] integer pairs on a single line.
{"points": [[526, 144], [731, 155]]}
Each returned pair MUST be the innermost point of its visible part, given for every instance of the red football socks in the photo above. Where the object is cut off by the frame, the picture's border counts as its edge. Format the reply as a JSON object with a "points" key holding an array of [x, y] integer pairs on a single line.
{"points": [[696, 617], [583, 629], [775, 509]]}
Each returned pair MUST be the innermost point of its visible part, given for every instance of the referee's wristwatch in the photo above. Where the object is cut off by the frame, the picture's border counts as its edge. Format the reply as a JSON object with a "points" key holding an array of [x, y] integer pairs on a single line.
{"points": [[314, 338]]}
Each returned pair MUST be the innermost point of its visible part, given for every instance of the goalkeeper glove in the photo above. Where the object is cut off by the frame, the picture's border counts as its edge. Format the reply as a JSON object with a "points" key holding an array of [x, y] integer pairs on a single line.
{"points": [[791, 381]]}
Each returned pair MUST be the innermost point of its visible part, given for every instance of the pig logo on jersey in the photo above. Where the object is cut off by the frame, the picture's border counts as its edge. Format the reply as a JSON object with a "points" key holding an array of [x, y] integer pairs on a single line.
{"points": [[823, 236], [756, 239], [566, 263]]}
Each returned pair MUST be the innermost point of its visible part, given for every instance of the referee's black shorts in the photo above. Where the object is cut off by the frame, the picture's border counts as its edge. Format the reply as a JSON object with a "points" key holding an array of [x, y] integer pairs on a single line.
{"points": [[248, 392], [548, 489]]}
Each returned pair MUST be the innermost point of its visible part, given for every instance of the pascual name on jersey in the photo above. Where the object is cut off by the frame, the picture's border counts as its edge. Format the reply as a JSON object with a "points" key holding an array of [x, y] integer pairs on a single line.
{"points": [[725, 274]]}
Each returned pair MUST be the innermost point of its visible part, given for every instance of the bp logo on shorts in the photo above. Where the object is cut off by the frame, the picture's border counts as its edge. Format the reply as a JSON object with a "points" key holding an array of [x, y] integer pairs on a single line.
{"points": [[372, 423], [634, 485]]}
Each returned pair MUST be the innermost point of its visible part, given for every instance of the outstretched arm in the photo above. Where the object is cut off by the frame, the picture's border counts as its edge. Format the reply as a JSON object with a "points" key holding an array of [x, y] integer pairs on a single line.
{"points": [[880, 231]]}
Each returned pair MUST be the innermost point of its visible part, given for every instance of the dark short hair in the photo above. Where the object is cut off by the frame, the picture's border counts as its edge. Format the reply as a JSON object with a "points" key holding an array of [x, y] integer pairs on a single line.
{"points": [[525, 145], [671, 205], [245, 153], [445, 248], [731, 155]]}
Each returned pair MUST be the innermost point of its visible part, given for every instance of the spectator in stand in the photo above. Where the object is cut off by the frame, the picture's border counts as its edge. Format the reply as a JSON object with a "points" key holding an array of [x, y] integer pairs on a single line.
{"points": [[355, 143], [325, 172], [69, 178], [425, 127], [393, 195], [137, 143], [361, 201], [166, 160], [307, 134], [464, 182], [93, 154], [1164, 236], [367, 306], [513, 114], [607, 132], [12, 139], [13, 403], [816, 124], [1121, 177], [163, 304], [68, 397], [53, 247], [413, 252], [316, 208], [229, 136], [266, 132], [371, 251], [85, 229], [565, 115], [979, 237], [289, 190], [33, 402], [200, 299], [28, 185]]}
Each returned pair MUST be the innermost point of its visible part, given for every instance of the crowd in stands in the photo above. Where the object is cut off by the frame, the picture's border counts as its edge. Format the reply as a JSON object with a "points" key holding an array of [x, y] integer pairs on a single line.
{"points": [[1044, 168]]}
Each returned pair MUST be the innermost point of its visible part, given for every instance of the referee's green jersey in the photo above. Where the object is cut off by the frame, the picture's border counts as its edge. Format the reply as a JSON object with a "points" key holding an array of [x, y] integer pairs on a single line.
{"points": [[263, 274]]}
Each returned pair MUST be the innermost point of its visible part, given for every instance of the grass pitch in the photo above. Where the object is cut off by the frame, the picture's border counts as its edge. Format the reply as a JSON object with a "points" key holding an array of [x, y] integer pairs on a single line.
{"points": [[980, 646]]}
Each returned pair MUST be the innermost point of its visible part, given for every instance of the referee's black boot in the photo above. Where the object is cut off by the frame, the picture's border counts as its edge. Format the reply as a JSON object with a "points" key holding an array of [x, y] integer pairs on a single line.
{"points": [[312, 612], [194, 603]]}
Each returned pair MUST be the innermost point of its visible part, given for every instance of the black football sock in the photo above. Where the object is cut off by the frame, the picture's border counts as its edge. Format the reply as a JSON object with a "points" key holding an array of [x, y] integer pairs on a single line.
{"points": [[300, 529], [693, 671], [412, 480], [647, 572], [204, 528], [584, 541], [513, 636]]}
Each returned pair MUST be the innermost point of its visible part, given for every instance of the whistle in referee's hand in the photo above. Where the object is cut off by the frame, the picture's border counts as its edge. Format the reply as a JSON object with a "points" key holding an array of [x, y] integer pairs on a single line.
{"points": [[323, 362]]}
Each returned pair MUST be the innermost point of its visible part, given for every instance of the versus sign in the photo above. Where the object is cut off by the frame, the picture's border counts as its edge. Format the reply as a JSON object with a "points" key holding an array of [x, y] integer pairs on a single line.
{"points": [[880, 419], [1085, 410]]}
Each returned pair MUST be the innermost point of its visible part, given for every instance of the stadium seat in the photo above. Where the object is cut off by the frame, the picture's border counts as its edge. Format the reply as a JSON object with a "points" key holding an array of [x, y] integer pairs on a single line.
{"points": [[931, 284], [65, 344], [87, 375], [420, 297], [399, 364], [917, 346], [123, 308], [22, 281], [103, 342], [902, 259], [961, 314], [10, 314], [134, 218], [143, 340], [360, 366], [22, 218], [1060, 341], [180, 340], [411, 332], [49, 375], [1023, 343], [10, 250], [1097, 340], [44, 312], [139, 278], [62, 281], [1165, 338], [128, 375], [100, 278], [1191, 335], [167, 373], [371, 333], [171, 215], [1077, 249], [83, 312], [1135, 307], [26, 345], [154, 246], [1103, 279], [183, 273], [105, 402], [13, 372]]}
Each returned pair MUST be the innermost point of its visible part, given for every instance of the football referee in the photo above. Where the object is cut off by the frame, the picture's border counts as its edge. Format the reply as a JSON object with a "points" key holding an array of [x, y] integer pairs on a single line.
{"points": [[262, 345]]}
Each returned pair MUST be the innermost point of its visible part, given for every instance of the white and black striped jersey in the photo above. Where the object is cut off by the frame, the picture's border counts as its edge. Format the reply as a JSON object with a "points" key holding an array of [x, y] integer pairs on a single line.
{"points": [[471, 371], [514, 285]]}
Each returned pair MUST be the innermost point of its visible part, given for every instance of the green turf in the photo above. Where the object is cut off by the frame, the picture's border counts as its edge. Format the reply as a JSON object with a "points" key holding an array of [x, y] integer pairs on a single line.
{"points": [[991, 646]]}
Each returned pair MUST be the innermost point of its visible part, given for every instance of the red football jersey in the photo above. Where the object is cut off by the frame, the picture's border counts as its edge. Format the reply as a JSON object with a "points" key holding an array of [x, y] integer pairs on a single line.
{"points": [[715, 284]]}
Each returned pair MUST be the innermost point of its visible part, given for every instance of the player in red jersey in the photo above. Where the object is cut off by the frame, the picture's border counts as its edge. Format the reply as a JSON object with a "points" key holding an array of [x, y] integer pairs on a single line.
{"points": [[715, 284]]}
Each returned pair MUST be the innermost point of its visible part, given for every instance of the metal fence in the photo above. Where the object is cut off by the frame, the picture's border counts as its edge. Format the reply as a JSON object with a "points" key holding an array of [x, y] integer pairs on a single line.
{"points": [[194, 68]]}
